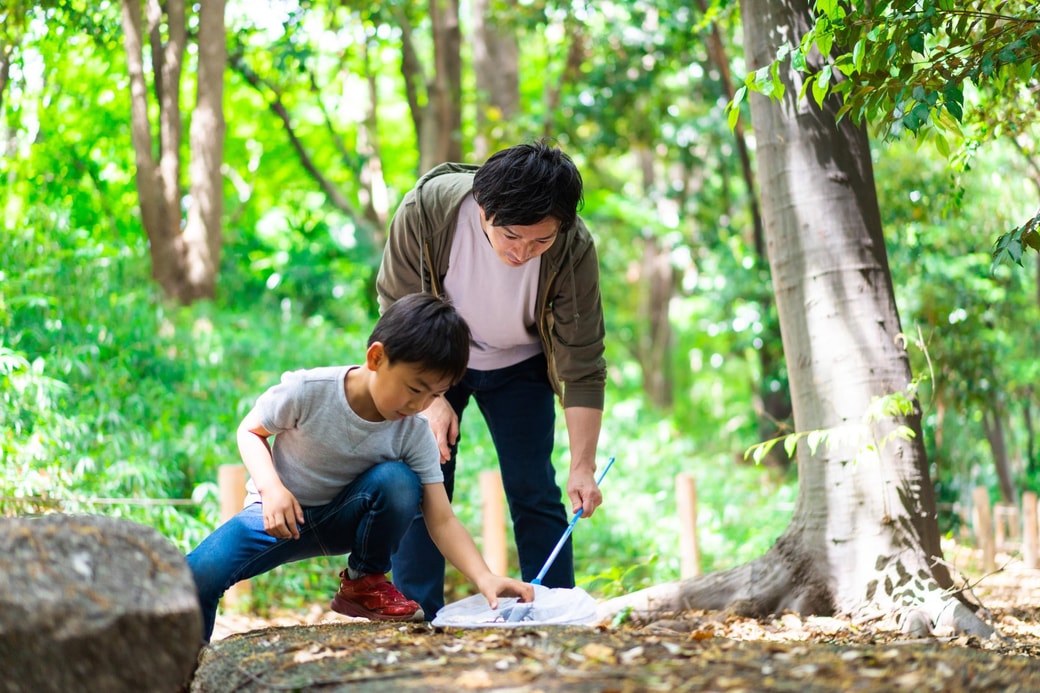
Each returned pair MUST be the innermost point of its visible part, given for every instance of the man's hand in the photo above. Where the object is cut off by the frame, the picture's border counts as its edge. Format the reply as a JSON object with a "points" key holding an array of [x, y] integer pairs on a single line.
{"points": [[583, 491], [283, 514], [444, 423]]}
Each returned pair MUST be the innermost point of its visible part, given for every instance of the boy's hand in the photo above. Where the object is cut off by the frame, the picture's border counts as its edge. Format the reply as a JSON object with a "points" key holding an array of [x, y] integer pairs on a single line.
{"points": [[444, 423], [283, 514], [495, 586]]}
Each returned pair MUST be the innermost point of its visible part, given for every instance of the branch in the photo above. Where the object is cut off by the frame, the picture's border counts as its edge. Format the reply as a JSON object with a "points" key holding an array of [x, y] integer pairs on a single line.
{"points": [[274, 101]]}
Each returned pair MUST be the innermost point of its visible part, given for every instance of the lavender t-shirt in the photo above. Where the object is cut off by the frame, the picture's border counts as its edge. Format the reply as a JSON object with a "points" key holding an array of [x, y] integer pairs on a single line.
{"points": [[498, 301]]}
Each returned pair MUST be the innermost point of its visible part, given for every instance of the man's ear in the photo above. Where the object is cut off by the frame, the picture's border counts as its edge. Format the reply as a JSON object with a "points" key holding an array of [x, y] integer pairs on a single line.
{"points": [[375, 356]]}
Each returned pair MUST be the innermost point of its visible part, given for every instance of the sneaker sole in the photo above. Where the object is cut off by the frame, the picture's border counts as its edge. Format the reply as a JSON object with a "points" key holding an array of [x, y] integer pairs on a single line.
{"points": [[348, 608]]}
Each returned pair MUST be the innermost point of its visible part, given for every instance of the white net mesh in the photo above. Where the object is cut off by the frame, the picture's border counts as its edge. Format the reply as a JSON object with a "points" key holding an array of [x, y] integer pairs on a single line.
{"points": [[557, 606]]}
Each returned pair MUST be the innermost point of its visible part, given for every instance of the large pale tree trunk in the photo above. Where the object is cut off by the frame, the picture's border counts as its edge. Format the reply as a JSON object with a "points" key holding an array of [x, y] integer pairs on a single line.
{"points": [[864, 540], [184, 253]]}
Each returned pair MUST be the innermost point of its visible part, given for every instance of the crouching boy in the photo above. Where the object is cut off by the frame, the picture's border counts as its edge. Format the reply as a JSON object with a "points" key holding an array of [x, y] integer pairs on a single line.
{"points": [[350, 466]]}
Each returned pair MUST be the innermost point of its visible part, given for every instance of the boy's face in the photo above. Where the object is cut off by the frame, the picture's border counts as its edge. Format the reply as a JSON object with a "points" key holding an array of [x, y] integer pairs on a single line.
{"points": [[401, 389], [515, 245]]}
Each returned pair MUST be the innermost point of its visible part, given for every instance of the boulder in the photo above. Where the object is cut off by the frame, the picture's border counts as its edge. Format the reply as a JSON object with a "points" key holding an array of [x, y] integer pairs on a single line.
{"points": [[94, 603]]}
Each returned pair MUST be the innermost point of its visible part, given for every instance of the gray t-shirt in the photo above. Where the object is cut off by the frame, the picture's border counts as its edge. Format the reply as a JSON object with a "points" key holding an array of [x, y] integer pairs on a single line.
{"points": [[321, 444]]}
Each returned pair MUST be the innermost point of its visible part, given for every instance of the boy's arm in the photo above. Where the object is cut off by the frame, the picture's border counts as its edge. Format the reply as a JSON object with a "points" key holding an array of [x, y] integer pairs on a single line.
{"points": [[457, 546], [282, 512]]}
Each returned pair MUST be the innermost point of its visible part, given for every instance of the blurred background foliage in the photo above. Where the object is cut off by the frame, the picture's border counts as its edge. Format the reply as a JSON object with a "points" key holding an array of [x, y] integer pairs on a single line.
{"points": [[110, 392]]}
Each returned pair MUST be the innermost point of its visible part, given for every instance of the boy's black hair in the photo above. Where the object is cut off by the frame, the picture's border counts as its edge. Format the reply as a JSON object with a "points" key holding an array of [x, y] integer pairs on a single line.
{"points": [[524, 184], [427, 331]]}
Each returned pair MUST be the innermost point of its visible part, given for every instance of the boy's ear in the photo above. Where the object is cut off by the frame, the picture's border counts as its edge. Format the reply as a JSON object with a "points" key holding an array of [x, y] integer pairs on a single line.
{"points": [[375, 356]]}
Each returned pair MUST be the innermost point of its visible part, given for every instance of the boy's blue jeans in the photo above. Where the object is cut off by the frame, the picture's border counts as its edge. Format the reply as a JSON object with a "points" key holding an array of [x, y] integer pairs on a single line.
{"points": [[519, 408], [366, 520]]}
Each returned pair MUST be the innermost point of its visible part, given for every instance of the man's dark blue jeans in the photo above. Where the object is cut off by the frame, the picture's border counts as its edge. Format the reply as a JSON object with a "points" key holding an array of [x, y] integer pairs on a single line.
{"points": [[518, 406]]}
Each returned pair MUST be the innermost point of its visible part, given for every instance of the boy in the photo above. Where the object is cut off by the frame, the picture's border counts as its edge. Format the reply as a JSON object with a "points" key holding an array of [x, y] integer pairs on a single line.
{"points": [[349, 468]]}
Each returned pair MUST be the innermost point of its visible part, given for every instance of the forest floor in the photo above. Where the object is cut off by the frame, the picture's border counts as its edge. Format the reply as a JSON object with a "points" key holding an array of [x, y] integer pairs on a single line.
{"points": [[691, 651]]}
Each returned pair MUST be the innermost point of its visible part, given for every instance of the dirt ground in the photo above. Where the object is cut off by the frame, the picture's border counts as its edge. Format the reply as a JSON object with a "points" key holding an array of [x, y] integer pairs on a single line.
{"points": [[692, 651]]}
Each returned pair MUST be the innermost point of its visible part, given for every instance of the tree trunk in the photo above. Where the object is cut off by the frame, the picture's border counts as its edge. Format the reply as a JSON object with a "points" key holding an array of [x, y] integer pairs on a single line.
{"points": [[864, 539], [496, 63], [203, 235], [655, 345], [1027, 417], [184, 261], [375, 199], [993, 426], [6, 50], [440, 137], [574, 30]]}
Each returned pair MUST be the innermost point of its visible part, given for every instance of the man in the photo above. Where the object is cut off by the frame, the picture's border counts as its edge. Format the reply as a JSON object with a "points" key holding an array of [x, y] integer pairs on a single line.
{"points": [[503, 241]]}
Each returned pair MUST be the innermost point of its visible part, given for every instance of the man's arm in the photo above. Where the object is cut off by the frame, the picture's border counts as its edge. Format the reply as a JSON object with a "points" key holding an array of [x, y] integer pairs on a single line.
{"points": [[583, 425]]}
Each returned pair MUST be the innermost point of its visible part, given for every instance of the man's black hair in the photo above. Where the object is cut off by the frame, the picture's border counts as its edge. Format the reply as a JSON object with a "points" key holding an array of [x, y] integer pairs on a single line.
{"points": [[524, 184], [427, 331]]}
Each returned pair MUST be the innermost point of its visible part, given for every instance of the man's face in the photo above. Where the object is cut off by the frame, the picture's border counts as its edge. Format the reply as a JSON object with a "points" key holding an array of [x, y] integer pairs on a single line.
{"points": [[515, 245]]}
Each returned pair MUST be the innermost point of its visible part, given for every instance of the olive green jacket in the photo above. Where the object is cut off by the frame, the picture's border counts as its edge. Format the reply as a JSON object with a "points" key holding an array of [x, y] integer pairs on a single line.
{"points": [[570, 315]]}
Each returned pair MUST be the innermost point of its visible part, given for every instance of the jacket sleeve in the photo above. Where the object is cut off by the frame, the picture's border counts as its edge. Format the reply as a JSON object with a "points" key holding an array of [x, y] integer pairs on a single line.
{"points": [[402, 269], [577, 330]]}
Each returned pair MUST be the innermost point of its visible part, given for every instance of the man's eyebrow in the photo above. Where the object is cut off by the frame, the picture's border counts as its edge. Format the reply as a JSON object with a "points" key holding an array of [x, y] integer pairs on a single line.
{"points": [[543, 238]]}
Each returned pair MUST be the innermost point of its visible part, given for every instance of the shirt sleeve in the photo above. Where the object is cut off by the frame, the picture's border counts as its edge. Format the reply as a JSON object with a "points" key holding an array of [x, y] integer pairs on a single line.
{"points": [[422, 453], [281, 406]]}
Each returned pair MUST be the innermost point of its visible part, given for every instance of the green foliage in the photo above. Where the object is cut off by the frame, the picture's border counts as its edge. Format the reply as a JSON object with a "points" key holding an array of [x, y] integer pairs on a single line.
{"points": [[113, 402], [949, 73]]}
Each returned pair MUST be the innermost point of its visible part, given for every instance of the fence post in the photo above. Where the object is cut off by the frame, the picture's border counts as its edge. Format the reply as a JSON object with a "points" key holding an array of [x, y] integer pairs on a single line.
{"points": [[231, 482], [494, 515], [984, 528], [1029, 530], [686, 501]]}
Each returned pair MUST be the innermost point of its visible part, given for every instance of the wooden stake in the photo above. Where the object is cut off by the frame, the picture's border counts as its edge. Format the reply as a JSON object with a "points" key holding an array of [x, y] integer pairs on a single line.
{"points": [[494, 513], [1029, 530], [686, 501], [231, 482], [984, 528]]}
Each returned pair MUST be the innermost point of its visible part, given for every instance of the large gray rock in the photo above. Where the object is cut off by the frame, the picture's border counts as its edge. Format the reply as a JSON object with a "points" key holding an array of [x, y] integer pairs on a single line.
{"points": [[91, 603]]}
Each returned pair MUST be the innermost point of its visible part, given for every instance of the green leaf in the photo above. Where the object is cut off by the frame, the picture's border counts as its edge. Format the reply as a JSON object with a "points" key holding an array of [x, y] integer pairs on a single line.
{"points": [[906, 433], [798, 60], [1032, 239], [790, 445], [760, 451], [941, 145], [821, 84], [921, 111], [826, 7], [857, 54], [733, 107], [824, 41], [916, 42], [778, 84], [814, 439]]}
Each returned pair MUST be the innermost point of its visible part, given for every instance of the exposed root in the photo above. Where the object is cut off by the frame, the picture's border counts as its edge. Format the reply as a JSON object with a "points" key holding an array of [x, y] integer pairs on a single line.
{"points": [[785, 579]]}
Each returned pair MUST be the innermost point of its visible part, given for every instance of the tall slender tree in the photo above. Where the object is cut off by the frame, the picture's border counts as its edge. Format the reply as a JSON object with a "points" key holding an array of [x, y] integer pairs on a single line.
{"points": [[864, 539], [185, 253]]}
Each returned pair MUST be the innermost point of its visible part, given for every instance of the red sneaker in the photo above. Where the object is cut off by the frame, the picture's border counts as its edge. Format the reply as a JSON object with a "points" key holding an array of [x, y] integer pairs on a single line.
{"points": [[374, 597]]}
